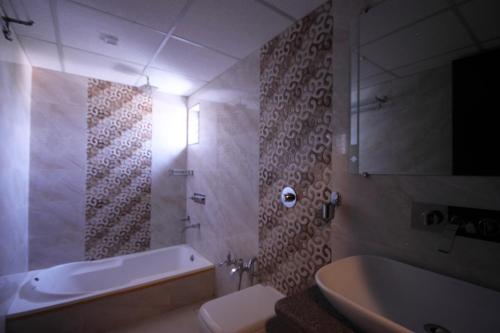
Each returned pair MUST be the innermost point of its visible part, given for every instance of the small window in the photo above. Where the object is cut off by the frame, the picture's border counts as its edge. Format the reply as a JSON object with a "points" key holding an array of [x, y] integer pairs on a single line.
{"points": [[194, 124]]}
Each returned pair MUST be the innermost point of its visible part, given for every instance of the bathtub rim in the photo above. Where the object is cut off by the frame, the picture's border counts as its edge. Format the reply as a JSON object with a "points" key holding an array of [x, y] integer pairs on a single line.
{"points": [[119, 259], [66, 301]]}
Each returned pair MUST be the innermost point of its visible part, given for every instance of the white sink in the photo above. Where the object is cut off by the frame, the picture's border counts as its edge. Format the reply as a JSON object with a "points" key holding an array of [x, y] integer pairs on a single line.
{"points": [[383, 295]]}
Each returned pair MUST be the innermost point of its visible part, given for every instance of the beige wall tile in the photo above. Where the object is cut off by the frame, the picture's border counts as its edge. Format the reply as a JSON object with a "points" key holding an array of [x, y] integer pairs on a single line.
{"points": [[15, 91], [225, 163]]}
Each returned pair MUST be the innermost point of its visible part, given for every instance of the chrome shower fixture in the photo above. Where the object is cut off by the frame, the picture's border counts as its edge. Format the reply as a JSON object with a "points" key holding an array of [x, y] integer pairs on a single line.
{"points": [[199, 198], [381, 100], [147, 88], [7, 20]]}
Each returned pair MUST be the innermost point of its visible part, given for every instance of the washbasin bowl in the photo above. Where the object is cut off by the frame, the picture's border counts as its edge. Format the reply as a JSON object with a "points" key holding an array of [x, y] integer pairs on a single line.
{"points": [[382, 295]]}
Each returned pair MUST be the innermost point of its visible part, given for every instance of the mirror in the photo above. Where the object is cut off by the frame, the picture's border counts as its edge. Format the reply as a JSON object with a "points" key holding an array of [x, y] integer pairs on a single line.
{"points": [[423, 90]]}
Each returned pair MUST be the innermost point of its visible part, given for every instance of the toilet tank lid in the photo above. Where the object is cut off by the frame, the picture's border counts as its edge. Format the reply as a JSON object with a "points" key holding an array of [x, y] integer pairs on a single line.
{"points": [[243, 311]]}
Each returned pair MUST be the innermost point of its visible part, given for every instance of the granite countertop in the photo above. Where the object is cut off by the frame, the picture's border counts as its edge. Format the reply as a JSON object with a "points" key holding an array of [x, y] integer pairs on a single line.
{"points": [[308, 312]]}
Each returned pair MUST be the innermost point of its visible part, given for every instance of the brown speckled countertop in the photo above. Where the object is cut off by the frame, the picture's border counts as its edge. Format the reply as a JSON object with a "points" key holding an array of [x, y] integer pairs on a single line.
{"points": [[308, 312]]}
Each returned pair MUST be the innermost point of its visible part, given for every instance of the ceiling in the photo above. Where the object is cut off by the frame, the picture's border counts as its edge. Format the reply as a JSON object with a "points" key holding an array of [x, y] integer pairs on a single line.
{"points": [[179, 44], [399, 38]]}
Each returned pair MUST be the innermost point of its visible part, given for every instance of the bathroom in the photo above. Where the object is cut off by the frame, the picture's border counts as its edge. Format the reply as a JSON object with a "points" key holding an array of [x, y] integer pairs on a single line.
{"points": [[249, 166]]}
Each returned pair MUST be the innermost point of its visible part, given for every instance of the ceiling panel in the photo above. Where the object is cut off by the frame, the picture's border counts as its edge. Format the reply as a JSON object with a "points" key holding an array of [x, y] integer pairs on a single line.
{"points": [[296, 8], [81, 28], [393, 14], [38, 11], [158, 14], [482, 15], [375, 80], [436, 61], [12, 52], [100, 67], [435, 36], [236, 27], [368, 69], [172, 83], [41, 54], [194, 61]]}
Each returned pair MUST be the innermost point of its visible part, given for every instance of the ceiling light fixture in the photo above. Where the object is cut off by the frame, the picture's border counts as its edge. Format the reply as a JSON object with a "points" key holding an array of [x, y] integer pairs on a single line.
{"points": [[108, 39]]}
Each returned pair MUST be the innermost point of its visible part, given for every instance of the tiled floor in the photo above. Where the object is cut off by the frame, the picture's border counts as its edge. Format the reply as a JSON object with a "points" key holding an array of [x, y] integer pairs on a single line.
{"points": [[182, 320]]}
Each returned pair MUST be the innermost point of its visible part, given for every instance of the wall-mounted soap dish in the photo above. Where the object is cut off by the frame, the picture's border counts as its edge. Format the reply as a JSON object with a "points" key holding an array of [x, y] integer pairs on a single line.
{"points": [[199, 198]]}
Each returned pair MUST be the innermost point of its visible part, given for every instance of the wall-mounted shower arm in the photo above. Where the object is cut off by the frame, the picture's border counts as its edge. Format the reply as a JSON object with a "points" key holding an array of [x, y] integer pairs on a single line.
{"points": [[191, 226], [7, 20]]}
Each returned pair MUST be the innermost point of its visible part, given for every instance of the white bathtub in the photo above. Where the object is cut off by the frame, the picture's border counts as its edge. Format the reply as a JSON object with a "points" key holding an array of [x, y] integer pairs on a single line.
{"points": [[71, 283], [386, 296]]}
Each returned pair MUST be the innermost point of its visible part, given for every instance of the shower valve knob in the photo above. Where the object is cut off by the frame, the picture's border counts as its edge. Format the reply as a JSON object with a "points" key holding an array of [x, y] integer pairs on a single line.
{"points": [[229, 261], [288, 197], [432, 217]]}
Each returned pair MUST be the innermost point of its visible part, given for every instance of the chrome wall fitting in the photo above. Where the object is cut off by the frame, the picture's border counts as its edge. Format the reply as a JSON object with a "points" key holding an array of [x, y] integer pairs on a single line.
{"points": [[453, 221], [180, 172], [335, 199], [288, 197], [326, 211], [6, 29], [199, 198], [239, 266], [328, 208], [191, 226]]}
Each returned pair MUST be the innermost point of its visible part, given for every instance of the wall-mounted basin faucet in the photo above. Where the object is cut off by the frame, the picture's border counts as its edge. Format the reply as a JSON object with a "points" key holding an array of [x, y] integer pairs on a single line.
{"points": [[449, 234], [454, 221]]}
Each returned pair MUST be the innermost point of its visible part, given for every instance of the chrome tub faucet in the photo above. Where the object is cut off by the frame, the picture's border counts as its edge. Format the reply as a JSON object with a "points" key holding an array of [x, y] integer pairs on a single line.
{"points": [[240, 267]]}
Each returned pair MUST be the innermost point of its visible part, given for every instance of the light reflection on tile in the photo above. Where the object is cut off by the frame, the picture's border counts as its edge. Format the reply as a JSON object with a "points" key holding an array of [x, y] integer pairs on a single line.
{"points": [[225, 163], [168, 197], [57, 168], [15, 91]]}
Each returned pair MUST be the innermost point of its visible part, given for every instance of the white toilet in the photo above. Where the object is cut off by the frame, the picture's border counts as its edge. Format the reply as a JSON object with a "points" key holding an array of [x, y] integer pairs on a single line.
{"points": [[245, 311]]}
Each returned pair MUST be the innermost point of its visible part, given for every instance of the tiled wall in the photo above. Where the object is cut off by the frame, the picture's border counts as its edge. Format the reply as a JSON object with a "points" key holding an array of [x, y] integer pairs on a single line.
{"points": [[58, 169], [168, 196], [295, 150], [118, 193], [225, 164], [376, 212], [15, 89]]}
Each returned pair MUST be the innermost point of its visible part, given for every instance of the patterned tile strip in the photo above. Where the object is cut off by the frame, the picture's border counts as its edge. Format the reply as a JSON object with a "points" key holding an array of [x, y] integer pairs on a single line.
{"points": [[118, 195], [295, 142]]}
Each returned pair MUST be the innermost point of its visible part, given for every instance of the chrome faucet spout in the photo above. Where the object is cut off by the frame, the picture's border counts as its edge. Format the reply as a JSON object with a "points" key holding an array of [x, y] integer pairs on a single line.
{"points": [[449, 234], [191, 226], [234, 270]]}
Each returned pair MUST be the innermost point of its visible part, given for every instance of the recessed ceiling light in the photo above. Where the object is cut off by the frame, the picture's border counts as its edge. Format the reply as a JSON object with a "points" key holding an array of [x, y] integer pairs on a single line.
{"points": [[108, 39]]}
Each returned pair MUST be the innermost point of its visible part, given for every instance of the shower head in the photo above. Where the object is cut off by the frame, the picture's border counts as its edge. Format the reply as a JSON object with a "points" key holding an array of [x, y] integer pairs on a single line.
{"points": [[129, 70], [148, 88]]}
